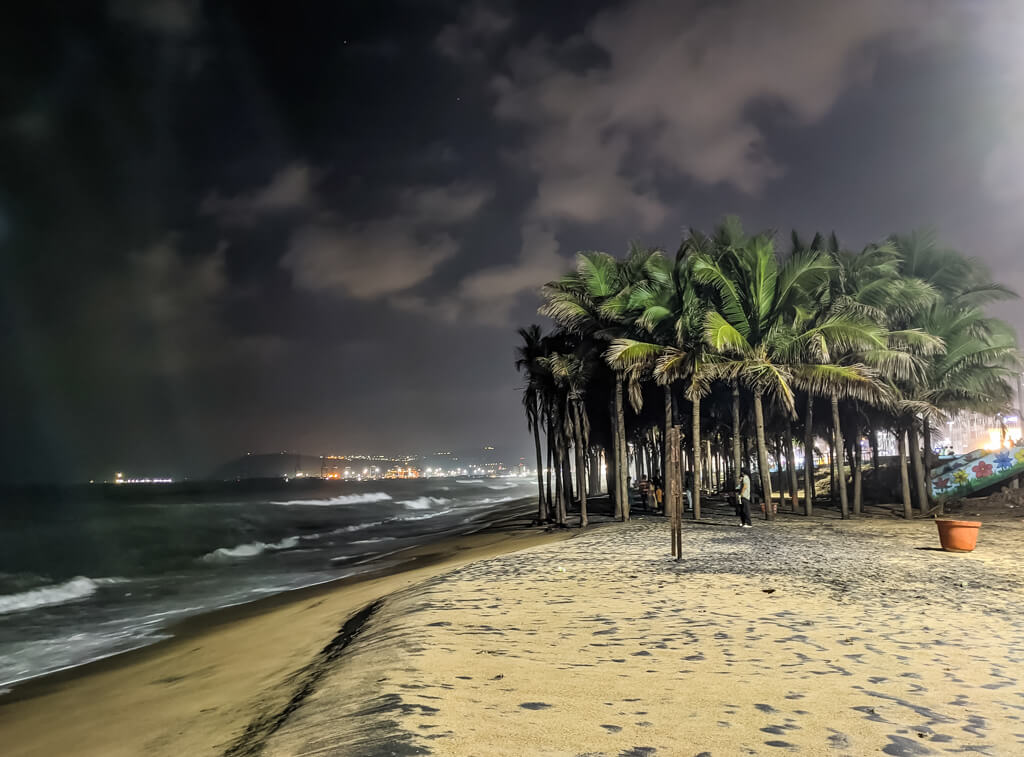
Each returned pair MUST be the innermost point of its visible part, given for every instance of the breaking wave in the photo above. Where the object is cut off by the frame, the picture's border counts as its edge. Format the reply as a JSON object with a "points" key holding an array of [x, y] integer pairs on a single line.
{"points": [[55, 594], [424, 516], [251, 550], [348, 499], [423, 503]]}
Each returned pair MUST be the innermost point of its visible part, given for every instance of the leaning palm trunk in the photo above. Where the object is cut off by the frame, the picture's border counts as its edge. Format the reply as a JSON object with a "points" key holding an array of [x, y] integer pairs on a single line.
{"points": [[541, 506], [809, 458], [917, 466], [838, 451], [620, 424], [736, 451], [581, 481], [762, 458], [695, 442], [908, 508]]}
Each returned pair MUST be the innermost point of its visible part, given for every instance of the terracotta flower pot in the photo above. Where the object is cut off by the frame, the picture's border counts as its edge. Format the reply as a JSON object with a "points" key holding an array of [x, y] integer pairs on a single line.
{"points": [[958, 535]]}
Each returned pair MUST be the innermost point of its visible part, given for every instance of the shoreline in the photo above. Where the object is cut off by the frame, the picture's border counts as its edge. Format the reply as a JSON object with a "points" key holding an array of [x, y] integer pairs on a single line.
{"points": [[230, 659], [417, 556]]}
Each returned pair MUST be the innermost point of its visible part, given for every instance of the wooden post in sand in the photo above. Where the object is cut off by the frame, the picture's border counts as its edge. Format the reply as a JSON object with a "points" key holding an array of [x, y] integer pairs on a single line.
{"points": [[674, 503]]}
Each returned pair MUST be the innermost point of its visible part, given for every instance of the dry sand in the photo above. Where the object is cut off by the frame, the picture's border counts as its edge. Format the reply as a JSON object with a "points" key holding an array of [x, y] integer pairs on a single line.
{"points": [[808, 636], [195, 695], [812, 636]]}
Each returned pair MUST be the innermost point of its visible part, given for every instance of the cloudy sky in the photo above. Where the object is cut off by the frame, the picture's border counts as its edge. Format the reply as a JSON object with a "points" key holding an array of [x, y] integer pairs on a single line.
{"points": [[234, 226]]}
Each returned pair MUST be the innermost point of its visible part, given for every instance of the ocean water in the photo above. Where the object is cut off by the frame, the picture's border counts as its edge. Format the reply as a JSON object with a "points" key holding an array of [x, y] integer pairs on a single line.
{"points": [[86, 574]]}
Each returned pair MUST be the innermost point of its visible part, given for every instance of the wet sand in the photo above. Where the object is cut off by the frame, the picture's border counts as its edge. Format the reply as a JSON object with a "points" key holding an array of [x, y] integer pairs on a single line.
{"points": [[814, 637], [197, 693]]}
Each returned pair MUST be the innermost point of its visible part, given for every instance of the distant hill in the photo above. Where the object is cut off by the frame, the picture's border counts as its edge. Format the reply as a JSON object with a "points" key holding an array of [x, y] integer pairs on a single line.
{"points": [[273, 465]]}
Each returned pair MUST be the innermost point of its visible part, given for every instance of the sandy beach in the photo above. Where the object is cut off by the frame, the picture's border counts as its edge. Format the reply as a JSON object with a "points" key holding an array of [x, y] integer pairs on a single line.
{"points": [[810, 636], [195, 694], [813, 637]]}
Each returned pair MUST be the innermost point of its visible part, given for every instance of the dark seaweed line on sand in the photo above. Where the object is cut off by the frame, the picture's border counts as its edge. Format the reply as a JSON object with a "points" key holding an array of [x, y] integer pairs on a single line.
{"points": [[252, 741]]}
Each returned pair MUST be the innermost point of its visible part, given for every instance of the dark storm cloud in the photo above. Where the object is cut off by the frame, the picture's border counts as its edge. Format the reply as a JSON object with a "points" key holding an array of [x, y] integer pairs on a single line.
{"points": [[675, 93], [290, 189], [170, 17], [382, 256], [234, 226], [470, 37]]}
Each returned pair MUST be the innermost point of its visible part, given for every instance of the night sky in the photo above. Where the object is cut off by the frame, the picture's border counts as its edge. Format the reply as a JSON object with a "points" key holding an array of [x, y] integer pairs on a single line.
{"points": [[247, 226]]}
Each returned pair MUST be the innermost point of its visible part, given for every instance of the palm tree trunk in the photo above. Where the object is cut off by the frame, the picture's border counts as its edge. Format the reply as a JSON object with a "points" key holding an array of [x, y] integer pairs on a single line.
{"points": [[612, 461], [832, 494], [908, 508], [794, 485], [697, 455], [779, 483], [917, 466], [858, 465], [541, 508], [610, 476], [669, 479], [737, 453], [551, 465], [594, 487], [840, 480], [874, 449], [581, 482], [620, 425], [559, 489], [927, 436], [567, 466], [762, 457], [809, 458]]}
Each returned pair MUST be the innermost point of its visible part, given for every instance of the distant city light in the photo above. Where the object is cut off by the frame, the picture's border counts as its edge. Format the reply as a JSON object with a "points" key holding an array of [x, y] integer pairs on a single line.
{"points": [[120, 479]]}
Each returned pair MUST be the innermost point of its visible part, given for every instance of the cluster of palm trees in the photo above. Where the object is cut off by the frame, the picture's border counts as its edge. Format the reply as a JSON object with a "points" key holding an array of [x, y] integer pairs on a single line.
{"points": [[728, 353]]}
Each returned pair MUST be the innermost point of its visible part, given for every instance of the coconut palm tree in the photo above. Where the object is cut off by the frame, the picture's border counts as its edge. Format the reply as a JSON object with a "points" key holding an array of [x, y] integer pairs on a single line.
{"points": [[572, 373], [765, 336], [528, 362], [753, 300], [592, 303], [959, 286], [669, 314]]}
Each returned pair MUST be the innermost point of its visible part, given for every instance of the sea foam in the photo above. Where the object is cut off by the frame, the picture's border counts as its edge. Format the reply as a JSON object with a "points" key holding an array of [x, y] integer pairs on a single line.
{"points": [[423, 503], [348, 499], [251, 549], [55, 594]]}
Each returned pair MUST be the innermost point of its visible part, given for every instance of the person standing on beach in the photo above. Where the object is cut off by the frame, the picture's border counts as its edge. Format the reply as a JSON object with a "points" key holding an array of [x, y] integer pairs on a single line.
{"points": [[645, 489], [744, 494]]}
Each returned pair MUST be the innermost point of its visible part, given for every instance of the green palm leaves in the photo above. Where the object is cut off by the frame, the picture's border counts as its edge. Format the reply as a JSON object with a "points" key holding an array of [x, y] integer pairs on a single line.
{"points": [[896, 331]]}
